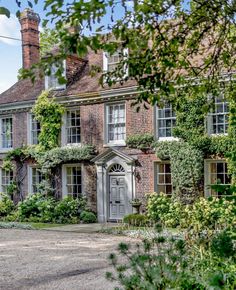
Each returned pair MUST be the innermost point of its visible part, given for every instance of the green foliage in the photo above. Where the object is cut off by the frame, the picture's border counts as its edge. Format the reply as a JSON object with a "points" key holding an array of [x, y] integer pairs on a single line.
{"points": [[203, 214], [135, 219], [36, 208], [88, 217], [170, 263], [186, 167], [212, 213], [57, 156], [165, 209], [41, 208], [6, 205], [140, 141], [7, 165], [48, 40], [222, 244], [67, 210], [49, 114]]}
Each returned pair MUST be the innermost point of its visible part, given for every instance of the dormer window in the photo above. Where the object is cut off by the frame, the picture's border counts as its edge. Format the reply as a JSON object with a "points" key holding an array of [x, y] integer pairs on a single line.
{"points": [[111, 61], [51, 81]]}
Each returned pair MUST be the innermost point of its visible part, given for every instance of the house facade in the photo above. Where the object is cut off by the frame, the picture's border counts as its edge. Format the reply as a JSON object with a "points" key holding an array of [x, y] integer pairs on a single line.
{"points": [[100, 116]]}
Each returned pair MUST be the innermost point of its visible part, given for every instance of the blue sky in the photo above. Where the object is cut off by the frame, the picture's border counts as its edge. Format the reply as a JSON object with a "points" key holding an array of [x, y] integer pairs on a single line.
{"points": [[10, 50]]}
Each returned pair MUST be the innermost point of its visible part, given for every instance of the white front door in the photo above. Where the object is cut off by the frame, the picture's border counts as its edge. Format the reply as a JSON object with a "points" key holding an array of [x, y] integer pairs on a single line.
{"points": [[117, 197]]}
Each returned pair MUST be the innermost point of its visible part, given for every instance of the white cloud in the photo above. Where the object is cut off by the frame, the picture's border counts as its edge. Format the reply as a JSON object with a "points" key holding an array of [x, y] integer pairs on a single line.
{"points": [[9, 27], [4, 85]]}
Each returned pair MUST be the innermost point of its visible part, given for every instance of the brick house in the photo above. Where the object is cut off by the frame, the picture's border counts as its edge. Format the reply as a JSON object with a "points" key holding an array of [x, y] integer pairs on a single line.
{"points": [[100, 116]]}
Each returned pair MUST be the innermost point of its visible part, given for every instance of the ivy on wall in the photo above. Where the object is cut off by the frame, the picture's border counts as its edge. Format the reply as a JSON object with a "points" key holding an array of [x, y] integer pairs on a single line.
{"points": [[186, 167], [49, 114]]}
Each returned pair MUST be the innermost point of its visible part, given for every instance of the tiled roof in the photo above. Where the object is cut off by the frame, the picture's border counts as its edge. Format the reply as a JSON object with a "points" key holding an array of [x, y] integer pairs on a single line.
{"points": [[83, 82]]}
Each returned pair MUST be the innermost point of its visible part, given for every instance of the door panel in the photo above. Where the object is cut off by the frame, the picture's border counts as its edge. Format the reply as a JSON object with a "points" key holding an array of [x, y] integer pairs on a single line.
{"points": [[118, 197]]}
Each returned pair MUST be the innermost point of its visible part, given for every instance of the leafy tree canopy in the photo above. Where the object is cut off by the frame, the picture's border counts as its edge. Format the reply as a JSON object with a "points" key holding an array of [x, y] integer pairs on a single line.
{"points": [[172, 43]]}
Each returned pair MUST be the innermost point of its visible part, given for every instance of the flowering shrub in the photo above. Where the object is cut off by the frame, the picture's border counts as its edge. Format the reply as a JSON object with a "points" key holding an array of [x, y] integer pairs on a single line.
{"points": [[36, 208], [165, 209], [6, 205], [212, 213]]}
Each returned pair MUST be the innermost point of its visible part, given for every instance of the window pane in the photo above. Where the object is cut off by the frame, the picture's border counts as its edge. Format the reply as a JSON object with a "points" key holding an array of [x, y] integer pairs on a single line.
{"points": [[164, 178], [73, 127], [219, 117], [74, 181], [166, 121], [116, 128]]}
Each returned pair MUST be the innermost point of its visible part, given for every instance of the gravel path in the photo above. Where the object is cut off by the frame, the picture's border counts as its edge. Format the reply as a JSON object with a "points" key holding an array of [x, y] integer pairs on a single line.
{"points": [[55, 260]]}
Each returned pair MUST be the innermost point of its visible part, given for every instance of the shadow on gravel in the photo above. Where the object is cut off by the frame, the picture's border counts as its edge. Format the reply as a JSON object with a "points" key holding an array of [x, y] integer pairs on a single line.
{"points": [[50, 278]]}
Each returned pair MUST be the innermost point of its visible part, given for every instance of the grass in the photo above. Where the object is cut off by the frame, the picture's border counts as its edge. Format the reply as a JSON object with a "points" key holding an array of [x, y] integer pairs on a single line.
{"points": [[28, 225], [40, 226]]}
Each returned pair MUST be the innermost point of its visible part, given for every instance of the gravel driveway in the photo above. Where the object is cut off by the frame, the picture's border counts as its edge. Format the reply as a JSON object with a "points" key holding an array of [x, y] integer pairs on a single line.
{"points": [[55, 260]]}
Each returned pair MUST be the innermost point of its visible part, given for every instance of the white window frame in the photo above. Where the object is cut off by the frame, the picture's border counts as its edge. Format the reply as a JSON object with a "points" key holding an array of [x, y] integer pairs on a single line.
{"points": [[106, 130], [1, 176], [212, 114], [5, 149], [207, 174], [64, 177], [58, 86], [30, 178], [105, 62], [156, 174], [29, 130], [169, 138], [64, 136]]}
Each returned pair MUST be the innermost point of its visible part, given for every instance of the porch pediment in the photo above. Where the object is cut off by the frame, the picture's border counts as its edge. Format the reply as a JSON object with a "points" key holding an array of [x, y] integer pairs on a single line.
{"points": [[111, 153]]}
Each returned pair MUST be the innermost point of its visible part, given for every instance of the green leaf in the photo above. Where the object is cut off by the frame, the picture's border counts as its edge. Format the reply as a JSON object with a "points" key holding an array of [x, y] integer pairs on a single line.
{"points": [[5, 11]]}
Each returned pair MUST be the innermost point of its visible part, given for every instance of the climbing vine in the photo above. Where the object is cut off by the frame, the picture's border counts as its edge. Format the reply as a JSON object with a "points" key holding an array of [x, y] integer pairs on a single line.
{"points": [[49, 114], [187, 155]]}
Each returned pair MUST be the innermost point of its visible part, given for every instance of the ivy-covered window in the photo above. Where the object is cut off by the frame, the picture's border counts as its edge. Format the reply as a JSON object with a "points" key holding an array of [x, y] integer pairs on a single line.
{"points": [[6, 132], [166, 121], [6, 179], [73, 182], [163, 176], [116, 124], [216, 172], [34, 130], [218, 120], [73, 126], [36, 177]]}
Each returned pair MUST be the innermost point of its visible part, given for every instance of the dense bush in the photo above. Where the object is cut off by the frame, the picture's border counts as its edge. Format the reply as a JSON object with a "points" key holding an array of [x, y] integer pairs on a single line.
{"points": [[212, 213], [6, 205], [37, 208], [140, 141], [40, 208], [88, 217], [135, 220], [67, 210], [165, 209]]}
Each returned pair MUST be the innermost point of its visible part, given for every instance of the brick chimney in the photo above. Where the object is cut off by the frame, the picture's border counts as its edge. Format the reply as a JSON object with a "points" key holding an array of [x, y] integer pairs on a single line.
{"points": [[29, 21]]}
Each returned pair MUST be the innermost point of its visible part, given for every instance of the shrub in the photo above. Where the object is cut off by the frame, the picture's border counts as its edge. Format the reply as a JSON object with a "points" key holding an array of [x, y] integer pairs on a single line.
{"points": [[67, 210], [212, 213], [140, 141], [203, 214], [88, 217], [37, 208], [135, 220], [6, 205], [167, 210]]}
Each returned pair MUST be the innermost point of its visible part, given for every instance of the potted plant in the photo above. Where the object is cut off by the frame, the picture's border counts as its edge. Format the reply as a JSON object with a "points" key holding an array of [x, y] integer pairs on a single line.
{"points": [[136, 203]]}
